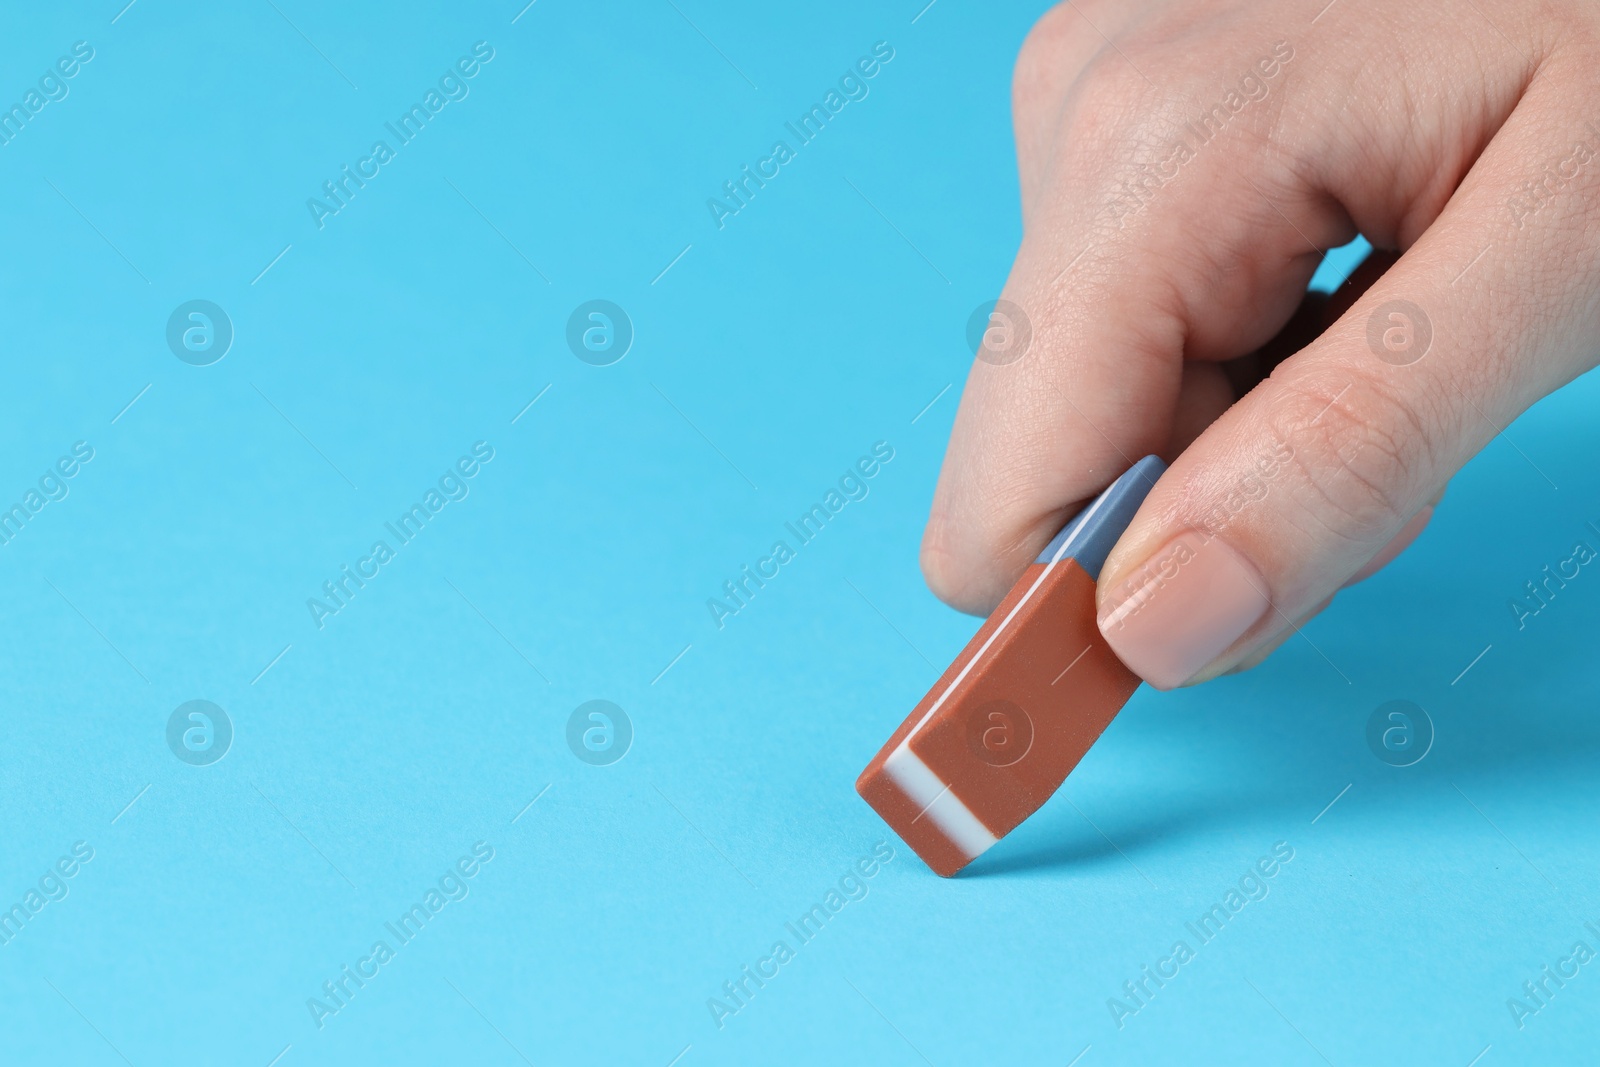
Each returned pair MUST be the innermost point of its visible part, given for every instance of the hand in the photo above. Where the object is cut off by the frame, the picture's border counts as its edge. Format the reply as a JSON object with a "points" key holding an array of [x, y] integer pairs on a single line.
{"points": [[1183, 167]]}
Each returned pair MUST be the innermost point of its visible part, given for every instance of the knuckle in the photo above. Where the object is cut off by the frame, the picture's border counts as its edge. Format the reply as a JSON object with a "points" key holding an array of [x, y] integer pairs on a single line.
{"points": [[1361, 452], [1060, 48], [1031, 57], [1056, 30], [1110, 85]]}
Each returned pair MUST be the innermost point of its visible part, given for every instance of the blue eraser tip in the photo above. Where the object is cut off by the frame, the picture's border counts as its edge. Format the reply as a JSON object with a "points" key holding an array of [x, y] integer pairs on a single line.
{"points": [[1089, 536]]}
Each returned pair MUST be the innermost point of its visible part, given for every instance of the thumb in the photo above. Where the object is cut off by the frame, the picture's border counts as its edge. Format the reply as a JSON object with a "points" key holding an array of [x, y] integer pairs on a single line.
{"points": [[1296, 488]]}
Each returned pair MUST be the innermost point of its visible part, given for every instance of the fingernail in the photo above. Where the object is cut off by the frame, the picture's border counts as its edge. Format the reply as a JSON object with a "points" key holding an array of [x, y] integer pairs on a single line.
{"points": [[1397, 544], [1260, 655], [1191, 600]]}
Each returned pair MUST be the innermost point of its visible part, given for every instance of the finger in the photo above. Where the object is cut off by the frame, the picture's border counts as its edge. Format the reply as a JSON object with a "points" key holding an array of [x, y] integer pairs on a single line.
{"points": [[1209, 389], [1364, 277], [1317, 311], [1385, 556], [1056, 50], [1328, 311], [1315, 314], [1261, 654], [1267, 645], [1204, 393], [1348, 441], [1207, 270], [1395, 545]]}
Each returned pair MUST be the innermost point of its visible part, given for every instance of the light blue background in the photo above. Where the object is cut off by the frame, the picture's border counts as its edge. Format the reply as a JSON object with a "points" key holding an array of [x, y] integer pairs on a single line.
{"points": [[380, 748]]}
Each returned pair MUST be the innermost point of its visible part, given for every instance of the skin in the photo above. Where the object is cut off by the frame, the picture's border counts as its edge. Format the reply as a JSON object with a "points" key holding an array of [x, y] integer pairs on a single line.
{"points": [[1449, 134]]}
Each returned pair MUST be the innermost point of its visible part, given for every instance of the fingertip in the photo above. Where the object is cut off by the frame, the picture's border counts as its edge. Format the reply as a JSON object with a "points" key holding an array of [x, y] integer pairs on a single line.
{"points": [[1174, 614], [947, 576], [1253, 660], [1262, 654]]}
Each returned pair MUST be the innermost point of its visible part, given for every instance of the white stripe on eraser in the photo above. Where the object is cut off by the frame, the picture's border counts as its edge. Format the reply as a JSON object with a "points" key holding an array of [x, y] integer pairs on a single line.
{"points": [[938, 803]]}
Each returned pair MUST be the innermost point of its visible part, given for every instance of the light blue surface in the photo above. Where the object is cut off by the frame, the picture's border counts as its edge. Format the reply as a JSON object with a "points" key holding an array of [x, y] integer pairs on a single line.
{"points": [[426, 715], [1337, 265]]}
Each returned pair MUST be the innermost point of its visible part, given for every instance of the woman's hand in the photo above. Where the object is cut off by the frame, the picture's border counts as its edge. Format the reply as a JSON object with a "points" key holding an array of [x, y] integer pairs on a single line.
{"points": [[1183, 168]]}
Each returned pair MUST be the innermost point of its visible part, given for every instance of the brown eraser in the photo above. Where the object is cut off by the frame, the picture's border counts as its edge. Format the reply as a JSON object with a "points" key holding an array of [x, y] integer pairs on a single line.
{"points": [[1006, 723]]}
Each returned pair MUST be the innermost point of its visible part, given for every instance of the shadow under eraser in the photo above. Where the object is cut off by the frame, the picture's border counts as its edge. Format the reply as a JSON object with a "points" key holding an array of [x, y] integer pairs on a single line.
{"points": [[1009, 719]]}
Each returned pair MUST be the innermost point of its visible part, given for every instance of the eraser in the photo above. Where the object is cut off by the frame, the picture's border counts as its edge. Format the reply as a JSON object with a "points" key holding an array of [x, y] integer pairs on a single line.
{"points": [[1021, 704]]}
